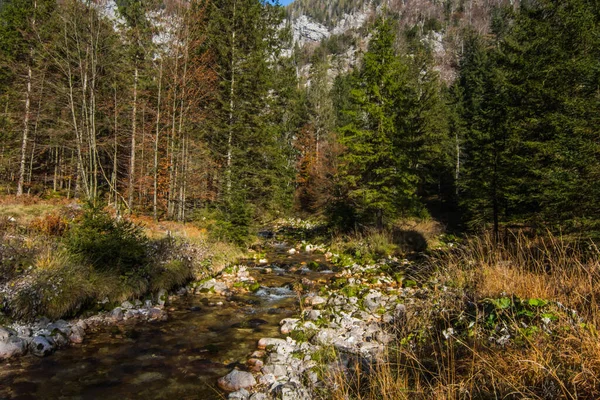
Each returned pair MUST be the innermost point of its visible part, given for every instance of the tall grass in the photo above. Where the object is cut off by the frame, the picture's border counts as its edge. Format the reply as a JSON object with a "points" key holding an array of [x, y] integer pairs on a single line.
{"points": [[448, 347]]}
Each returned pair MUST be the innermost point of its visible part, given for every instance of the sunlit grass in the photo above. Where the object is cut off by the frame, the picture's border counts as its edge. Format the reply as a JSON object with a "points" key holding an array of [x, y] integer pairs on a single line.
{"points": [[559, 361]]}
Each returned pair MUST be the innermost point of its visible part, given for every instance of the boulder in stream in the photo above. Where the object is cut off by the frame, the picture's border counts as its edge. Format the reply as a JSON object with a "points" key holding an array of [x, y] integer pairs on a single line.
{"points": [[41, 346], [11, 346], [236, 380]]}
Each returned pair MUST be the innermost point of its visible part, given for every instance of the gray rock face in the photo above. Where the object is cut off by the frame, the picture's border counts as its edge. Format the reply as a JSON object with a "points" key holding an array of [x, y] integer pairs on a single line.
{"points": [[236, 380], [41, 346], [307, 31], [12, 346]]}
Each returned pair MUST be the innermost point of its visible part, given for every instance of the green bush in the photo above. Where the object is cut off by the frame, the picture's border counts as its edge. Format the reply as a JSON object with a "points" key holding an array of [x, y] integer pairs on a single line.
{"points": [[108, 244], [234, 223]]}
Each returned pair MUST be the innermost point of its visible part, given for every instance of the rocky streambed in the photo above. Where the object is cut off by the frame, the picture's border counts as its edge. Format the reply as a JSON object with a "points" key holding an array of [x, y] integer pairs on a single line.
{"points": [[275, 328]]}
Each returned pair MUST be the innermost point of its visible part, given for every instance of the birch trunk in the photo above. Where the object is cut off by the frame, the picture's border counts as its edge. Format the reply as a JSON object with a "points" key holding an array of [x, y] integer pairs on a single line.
{"points": [[156, 141], [25, 132], [133, 128]]}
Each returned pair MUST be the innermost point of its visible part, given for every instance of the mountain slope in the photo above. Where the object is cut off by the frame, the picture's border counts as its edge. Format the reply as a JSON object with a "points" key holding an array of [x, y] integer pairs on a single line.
{"points": [[329, 13]]}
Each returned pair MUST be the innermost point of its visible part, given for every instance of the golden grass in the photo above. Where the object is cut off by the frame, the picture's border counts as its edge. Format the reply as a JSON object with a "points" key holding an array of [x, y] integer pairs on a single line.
{"points": [[561, 361], [160, 229], [545, 267]]}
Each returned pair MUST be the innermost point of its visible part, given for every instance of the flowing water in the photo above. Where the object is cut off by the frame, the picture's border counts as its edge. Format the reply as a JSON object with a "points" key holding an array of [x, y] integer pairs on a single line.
{"points": [[177, 359]]}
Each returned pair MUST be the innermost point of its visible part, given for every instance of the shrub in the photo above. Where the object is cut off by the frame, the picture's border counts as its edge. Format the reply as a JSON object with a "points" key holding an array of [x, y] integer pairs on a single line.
{"points": [[49, 225], [108, 244]]}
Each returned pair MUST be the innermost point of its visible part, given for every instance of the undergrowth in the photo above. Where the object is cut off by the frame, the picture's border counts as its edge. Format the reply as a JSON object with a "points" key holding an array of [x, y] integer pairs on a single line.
{"points": [[73, 259], [496, 321]]}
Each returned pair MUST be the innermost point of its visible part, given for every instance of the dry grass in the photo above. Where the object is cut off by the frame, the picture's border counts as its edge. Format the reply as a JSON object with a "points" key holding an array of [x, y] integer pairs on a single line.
{"points": [[25, 209], [559, 359], [40, 277], [545, 267], [417, 234], [157, 230]]}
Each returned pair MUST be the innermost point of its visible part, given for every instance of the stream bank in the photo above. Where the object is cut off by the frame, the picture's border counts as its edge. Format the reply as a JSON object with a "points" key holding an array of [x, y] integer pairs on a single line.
{"points": [[263, 329]]}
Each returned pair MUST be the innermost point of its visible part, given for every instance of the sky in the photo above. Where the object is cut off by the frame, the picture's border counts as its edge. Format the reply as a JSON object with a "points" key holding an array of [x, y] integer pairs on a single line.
{"points": [[285, 2]]}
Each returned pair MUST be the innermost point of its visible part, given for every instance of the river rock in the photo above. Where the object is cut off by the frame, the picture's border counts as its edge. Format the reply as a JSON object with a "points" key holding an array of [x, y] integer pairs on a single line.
{"points": [[267, 379], [277, 370], [41, 346], [59, 338], [254, 364], [129, 314], [4, 334], [325, 337], [258, 396], [117, 314], [60, 325], [24, 331], [290, 391], [288, 325], [42, 322], [314, 301], [77, 334], [126, 305], [312, 315], [156, 314], [236, 380], [241, 394], [212, 284], [12, 346], [269, 342], [371, 302]]}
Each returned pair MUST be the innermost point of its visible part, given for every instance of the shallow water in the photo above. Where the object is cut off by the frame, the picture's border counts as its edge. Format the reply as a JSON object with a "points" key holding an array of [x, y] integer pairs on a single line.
{"points": [[177, 359]]}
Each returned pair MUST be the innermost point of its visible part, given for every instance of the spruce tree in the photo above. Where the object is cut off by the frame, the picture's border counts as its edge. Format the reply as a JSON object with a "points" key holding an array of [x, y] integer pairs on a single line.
{"points": [[245, 39], [376, 179]]}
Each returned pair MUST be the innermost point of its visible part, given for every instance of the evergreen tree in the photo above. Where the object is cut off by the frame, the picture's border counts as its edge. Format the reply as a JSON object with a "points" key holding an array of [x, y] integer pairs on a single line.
{"points": [[483, 156], [245, 39], [376, 178], [552, 63]]}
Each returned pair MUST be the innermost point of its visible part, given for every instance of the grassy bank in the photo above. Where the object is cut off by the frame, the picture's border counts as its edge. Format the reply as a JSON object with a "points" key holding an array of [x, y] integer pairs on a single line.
{"points": [[61, 259], [509, 321]]}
